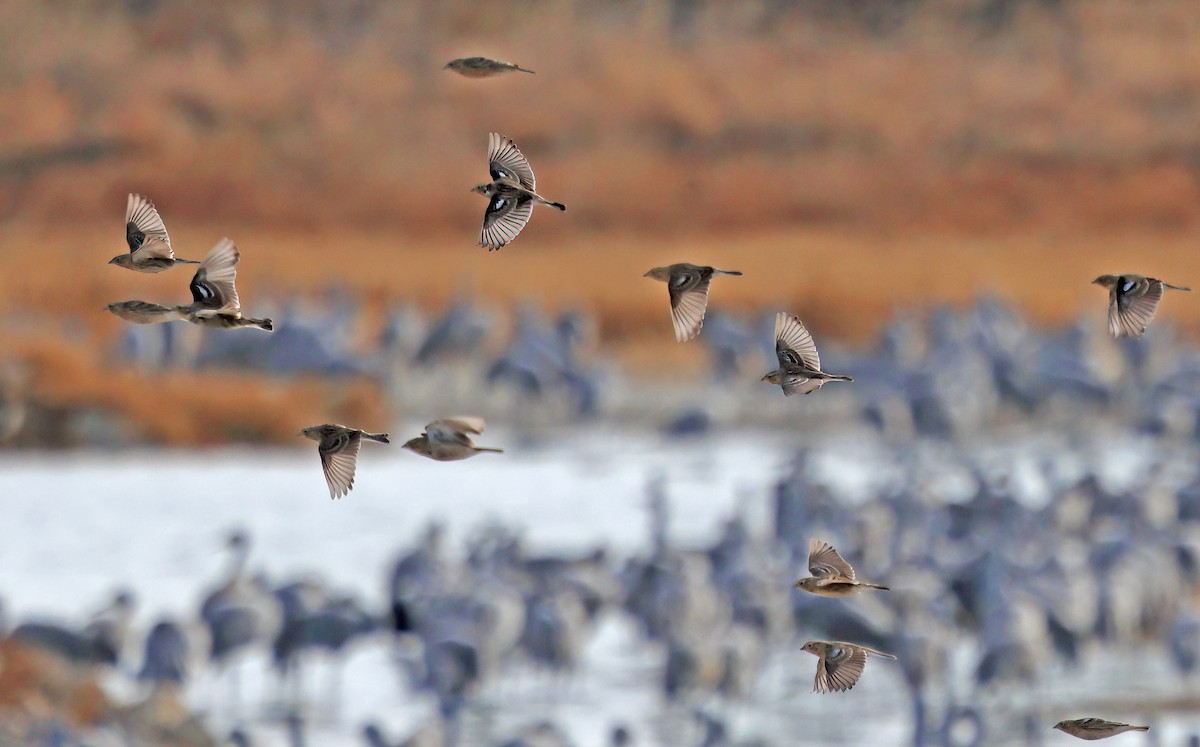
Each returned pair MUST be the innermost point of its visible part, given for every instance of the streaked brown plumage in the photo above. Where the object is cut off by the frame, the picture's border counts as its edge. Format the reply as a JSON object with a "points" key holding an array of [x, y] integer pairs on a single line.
{"points": [[215, 301], [338, 447], [799, 364], [1092, 729], [1132, 301], [143, 312], [839, 664], [149, 245], [446, 440], [482, 67], [511, 193], [687, 285], [831, 576]]}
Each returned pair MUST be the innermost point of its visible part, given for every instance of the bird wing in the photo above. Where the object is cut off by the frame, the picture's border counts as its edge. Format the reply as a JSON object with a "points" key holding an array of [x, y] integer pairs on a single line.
{"points": [[152, 248], [1132, 304], [213, 285], [142, 312], [339, 454], [142, 221], [465, 423], [505, 160], [793, 344], [839, 669], [688, 287], [506, 215], [447, 432], [824, 561]]}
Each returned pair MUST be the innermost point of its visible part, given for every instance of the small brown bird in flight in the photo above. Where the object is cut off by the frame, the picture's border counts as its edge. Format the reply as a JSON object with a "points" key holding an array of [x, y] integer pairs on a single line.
{"points": [[831, 576], [511, 193], [446, 440], [143, 312], [839, 664], [687, 285], [1132, 301], [482, 67], [799, 364], [338, 447], [149, 245], [1092, 729], [215, 300]]}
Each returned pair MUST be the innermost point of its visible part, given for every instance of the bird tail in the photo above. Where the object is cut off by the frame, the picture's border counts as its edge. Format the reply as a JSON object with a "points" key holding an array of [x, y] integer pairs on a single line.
{"points": [[1145, 728], [518, 67], [1178, 288], [265, 324], [187, 261], [487, 448], [380, 437], [726, 272], [840, 377], [876, 586], [551, 203]]}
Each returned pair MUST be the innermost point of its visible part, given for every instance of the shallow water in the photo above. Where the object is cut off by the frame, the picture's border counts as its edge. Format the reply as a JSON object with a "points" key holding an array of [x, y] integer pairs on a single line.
{"points": [[77, 526]]}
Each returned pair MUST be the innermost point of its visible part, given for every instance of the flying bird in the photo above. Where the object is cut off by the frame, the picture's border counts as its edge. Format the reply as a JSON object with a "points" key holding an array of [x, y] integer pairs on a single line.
{"points": [[149, 245], [511, 193], [799, 364], [215, 300], [839, 664], [831, 576], [482, 67], [1132, 301], [143, 312], [447, 440], [1092, 729], [687, 285], [338, 447]]}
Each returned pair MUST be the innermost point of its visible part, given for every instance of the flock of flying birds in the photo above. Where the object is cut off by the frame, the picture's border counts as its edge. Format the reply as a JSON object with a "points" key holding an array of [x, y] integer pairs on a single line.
{"points": [[511, 193]]}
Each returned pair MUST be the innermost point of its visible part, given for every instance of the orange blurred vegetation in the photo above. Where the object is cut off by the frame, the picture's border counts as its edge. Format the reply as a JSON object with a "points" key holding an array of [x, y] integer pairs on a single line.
{"points": [[925, 116], [851, 157]]}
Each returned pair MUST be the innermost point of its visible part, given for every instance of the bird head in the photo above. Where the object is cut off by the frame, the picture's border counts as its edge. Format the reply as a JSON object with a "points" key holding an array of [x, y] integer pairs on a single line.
{"points": [[774, 377], [812, 647], [483, 189], [418, 445], [1061, 724], [121, 260], [123, 600], [659, 273], [804, 583], [453, 65], [237, 541], [312, 431], [1107, 281]]}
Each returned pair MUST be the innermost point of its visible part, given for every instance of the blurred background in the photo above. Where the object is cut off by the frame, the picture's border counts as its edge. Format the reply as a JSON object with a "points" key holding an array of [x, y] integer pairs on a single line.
{"points": [[929, 184]]}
